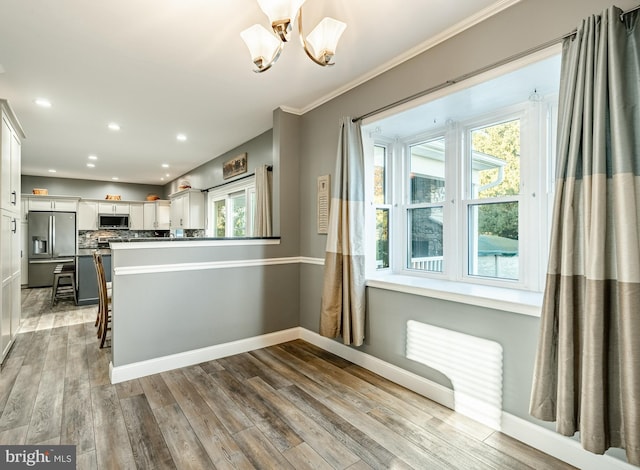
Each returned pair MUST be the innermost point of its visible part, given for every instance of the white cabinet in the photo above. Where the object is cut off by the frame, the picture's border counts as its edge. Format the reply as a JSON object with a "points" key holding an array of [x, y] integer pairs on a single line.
{"points": [[45, 203], [157, 215], [10, 153], [120, 208], [11, 214], [87, 215], [10, 279], [136, 216], [187, 209]]}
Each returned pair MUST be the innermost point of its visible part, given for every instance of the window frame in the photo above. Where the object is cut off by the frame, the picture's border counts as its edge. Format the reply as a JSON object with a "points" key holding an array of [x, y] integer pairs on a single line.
{"points": [[537, 141], [225, 193]]}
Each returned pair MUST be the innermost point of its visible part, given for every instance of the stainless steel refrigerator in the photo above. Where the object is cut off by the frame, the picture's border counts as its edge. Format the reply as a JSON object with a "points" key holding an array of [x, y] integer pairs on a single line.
{"points": [[52, 241]]}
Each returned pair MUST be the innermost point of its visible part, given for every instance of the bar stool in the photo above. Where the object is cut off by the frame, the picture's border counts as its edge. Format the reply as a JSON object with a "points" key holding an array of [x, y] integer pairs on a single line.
{"points": [[64, 290]]}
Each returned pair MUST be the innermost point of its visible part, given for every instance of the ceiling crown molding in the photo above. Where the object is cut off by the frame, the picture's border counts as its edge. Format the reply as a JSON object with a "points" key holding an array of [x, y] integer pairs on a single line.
{"points": [[448, 33]]}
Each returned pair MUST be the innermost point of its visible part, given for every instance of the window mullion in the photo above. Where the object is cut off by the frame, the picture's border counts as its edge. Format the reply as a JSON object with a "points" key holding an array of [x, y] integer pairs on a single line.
{"points": [[452, 222]]}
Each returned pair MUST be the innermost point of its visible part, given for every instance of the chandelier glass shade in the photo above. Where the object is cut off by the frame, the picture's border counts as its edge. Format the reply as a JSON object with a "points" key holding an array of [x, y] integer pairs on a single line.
{"points": [[265, 47]]}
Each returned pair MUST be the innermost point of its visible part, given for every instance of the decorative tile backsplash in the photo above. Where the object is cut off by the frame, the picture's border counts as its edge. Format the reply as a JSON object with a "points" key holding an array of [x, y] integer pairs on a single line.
{"points": [[89, 238]]}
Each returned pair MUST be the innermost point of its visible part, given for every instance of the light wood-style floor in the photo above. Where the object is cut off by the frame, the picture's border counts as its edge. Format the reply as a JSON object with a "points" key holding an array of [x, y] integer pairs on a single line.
{"points": [[288, 406]]}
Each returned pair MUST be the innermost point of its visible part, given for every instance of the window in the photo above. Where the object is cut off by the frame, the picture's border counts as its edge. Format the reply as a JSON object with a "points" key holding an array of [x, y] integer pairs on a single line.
{"points": [[232, 209], [459, 186], [493, 202], [380, 198]]}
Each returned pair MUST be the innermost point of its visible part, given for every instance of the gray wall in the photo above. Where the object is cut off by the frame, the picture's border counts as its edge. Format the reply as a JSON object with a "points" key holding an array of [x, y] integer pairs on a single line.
{"points": [[259, 152], [525, 25], [279, 147], [194, 309], [89, 189], [216, 306]]}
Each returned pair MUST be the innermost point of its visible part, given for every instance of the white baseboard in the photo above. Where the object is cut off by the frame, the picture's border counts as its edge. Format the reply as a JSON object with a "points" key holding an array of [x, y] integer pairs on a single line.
{"points": [[557, 445], [196, 356], [564, 448], [418, 384]]}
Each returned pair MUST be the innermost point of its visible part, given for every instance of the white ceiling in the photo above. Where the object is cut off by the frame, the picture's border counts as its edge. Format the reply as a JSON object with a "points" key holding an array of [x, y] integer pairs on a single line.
{"points": [[517, 84], [163, 67]]}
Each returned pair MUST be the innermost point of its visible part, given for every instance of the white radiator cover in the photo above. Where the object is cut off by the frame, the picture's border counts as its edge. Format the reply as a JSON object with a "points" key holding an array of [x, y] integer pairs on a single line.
{"points": [[474, 366]]}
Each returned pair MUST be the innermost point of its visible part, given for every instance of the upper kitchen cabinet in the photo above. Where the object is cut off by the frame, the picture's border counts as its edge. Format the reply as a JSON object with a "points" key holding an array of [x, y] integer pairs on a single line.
{"points": [[187, 209], [110, 207], [87, 215], [157, 215], [52, 203], [10, 148], [136, 216]]}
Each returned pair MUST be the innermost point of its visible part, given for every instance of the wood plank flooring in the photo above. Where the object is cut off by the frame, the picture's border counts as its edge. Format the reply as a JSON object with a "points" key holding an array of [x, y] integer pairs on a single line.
{"points": [[291, 406]]}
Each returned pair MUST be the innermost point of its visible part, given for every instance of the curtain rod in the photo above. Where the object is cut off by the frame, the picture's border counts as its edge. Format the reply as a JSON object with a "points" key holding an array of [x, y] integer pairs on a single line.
{"points": [[269, 168], [468, 75]]}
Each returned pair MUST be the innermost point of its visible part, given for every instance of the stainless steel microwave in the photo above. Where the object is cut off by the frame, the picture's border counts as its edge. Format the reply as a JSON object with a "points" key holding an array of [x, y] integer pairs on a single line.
{"points": [[113, 221]]}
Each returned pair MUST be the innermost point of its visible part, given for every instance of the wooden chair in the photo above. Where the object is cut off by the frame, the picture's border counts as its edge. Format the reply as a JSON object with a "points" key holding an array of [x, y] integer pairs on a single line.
{"points": [[104, 300], [97, 261]]}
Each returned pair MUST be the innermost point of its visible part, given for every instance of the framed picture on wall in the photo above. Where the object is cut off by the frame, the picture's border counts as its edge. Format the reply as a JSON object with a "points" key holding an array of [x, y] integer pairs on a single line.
{"points": [[322, 204], [235, 166]]}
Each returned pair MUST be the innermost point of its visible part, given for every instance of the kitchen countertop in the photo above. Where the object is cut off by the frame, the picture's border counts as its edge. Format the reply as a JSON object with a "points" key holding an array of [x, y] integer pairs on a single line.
{"points": [[188, 239]]}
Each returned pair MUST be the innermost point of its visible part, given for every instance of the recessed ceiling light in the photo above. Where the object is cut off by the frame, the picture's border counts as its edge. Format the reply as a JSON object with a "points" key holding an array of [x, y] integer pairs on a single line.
{"points": [[165, 165], [92, 157], [181, 137], [114, 126], [167, 175], [43, 102], [115, 178], [161, 179], [52, 171], [91, 165]]}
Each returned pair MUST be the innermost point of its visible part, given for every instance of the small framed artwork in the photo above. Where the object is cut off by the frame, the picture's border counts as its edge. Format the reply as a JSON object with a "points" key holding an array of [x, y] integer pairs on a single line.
{"points": [[322, 205], [235, 166]]}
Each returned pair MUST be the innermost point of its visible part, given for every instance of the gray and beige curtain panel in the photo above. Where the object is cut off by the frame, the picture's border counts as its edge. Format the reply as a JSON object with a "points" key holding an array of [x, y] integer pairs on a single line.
{"points": [[263, 225], [587, 374], [343, 294]]}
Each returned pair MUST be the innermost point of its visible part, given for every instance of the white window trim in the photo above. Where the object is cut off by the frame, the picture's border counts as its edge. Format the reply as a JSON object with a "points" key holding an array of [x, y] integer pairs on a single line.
{"points": [[523, 296], [247, 185], [498, 298]]}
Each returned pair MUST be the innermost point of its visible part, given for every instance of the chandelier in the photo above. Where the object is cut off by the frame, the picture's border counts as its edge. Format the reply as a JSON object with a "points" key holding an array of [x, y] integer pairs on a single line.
{"points": [[265, 47]]}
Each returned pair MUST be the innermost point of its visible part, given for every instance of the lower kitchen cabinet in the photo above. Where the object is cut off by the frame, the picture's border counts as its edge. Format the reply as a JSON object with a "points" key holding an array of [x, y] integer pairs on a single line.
{"points": [[87, 280], [10, 278]]}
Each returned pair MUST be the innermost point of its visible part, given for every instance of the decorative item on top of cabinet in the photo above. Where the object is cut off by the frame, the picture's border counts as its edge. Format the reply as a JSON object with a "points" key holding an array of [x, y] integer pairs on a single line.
{"points": [[187, 209]]}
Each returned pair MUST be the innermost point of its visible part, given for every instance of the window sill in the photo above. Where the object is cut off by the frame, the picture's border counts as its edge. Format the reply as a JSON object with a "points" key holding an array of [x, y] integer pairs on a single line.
{"points": [[500, 298]]}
